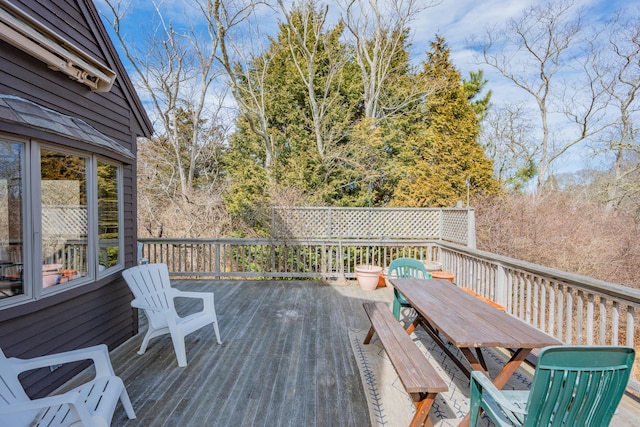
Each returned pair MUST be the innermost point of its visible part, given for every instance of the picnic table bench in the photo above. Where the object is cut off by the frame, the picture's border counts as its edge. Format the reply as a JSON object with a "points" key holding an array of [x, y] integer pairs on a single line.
{"points": [[470, 327], [418, 377]]}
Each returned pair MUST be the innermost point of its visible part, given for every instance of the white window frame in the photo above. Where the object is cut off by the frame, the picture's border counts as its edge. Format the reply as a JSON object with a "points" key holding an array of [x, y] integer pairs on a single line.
{"points": [[120, 188], [32, 221]]}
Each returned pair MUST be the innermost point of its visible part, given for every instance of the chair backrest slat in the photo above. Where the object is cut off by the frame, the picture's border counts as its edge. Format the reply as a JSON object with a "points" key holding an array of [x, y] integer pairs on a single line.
{"points": [[580, 384], [402, 268], [150, 284]]}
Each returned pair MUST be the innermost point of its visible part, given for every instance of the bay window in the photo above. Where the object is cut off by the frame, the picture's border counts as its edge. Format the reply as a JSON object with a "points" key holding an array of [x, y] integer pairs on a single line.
{"points": [[12, 232], [72, 211]]}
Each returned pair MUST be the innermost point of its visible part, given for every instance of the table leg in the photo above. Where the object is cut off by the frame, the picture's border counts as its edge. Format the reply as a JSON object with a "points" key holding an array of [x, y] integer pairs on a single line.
{"points": [[414, 324], [511, 367], [435, 336], [423, 404], [481, 358], [476, 364], [367, 339]]}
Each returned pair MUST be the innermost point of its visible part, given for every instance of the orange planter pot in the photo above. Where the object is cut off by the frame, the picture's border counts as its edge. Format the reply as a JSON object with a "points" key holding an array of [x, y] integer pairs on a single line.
{"points": [[443, 275]]}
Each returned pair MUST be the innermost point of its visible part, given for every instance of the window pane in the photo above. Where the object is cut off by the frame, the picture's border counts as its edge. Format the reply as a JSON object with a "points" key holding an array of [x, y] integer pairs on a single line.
{"points": [[11, 219], [108, 218], [64, 217]]}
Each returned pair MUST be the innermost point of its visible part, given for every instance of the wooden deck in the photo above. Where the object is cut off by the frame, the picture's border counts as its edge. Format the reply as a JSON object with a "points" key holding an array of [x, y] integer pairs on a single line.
{"points": [[286, 361]]}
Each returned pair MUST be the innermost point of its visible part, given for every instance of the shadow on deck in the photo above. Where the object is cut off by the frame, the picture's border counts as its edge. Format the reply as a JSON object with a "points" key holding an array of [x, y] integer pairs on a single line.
{"points": [[286, 361]]}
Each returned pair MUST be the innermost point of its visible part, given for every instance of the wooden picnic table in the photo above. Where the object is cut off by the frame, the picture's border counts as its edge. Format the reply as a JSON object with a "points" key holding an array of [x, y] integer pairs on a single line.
{"points": [[446, 310]]}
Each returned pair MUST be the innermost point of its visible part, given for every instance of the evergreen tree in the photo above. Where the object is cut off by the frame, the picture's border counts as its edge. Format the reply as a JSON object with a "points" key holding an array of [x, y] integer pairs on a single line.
{"points": [[442, 159], [309, 156]]}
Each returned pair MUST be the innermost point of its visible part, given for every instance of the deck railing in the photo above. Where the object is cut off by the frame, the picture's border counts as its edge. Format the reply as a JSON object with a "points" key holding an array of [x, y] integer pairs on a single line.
{"points": [[270, 258], [572, 308]]}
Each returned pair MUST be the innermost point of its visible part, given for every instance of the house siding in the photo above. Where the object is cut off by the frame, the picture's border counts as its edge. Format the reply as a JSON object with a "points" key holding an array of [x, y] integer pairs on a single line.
{"points": [[98, 312]]}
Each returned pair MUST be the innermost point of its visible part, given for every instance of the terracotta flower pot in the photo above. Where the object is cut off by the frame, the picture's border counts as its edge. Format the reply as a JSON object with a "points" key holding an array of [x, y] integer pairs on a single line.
{"points": [[368, 276], [443, 275]]}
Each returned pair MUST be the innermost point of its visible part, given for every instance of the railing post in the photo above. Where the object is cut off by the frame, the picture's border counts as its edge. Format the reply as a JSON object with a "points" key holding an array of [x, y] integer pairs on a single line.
{"points": [[501, 286], [324, 269], [630, 325], [471, 228], [216, 260], [341, 277]]}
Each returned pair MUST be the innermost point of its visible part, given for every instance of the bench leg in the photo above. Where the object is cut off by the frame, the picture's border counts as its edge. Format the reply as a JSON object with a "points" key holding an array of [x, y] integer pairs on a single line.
{"points": [[423, 406], [367, 339]]}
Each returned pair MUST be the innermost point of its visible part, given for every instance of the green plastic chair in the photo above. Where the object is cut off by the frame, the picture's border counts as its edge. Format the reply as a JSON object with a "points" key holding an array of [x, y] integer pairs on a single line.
{"points": [[403, 268], [572, 386]]}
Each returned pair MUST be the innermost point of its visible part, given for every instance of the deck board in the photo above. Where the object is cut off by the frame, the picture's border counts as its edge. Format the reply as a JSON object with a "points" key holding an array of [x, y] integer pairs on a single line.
{"points": [[286, 360]]}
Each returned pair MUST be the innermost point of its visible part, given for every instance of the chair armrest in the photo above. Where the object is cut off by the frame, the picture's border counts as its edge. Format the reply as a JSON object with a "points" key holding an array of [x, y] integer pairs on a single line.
{"points": [[71, 398], [142, 306], [99, 354], [206, 297], [487, 387]]}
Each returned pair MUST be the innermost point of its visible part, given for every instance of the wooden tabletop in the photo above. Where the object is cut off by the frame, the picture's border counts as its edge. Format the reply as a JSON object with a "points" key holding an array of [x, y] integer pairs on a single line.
{"points": [[467, 321]]}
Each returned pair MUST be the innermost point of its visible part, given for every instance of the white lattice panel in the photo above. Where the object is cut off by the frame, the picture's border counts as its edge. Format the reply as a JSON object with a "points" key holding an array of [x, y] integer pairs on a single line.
{"points": [[368, 223], [64, 221], [454, 226], [347, 223]]}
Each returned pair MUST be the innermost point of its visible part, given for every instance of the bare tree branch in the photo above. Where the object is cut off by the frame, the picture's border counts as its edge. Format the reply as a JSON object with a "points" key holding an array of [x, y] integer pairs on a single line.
{"points": [[532, 51], [378, 28]]}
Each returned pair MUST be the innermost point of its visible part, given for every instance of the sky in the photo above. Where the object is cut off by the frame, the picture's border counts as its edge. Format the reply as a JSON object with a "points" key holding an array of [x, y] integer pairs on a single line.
{"points": [[458, 21]]}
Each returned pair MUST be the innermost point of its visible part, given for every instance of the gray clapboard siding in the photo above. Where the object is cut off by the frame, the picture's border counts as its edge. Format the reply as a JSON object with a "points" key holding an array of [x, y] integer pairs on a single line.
{"points": [[96, 312]]}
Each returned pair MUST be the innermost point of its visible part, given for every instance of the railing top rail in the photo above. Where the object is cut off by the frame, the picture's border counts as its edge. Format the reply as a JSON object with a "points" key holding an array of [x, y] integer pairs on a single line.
{"points": [[347, 208], [588, 283]]}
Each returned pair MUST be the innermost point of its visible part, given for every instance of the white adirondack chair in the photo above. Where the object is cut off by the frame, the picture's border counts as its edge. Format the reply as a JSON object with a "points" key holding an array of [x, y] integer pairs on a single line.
{"points": [[91, 404], [153, 293]]}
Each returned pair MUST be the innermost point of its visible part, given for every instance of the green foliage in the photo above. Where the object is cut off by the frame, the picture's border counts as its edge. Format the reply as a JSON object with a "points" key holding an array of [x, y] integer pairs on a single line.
{"points": [[442, 160], [247, 189], [473, 87], [424, 152], [522, 176], [298, 162]]}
